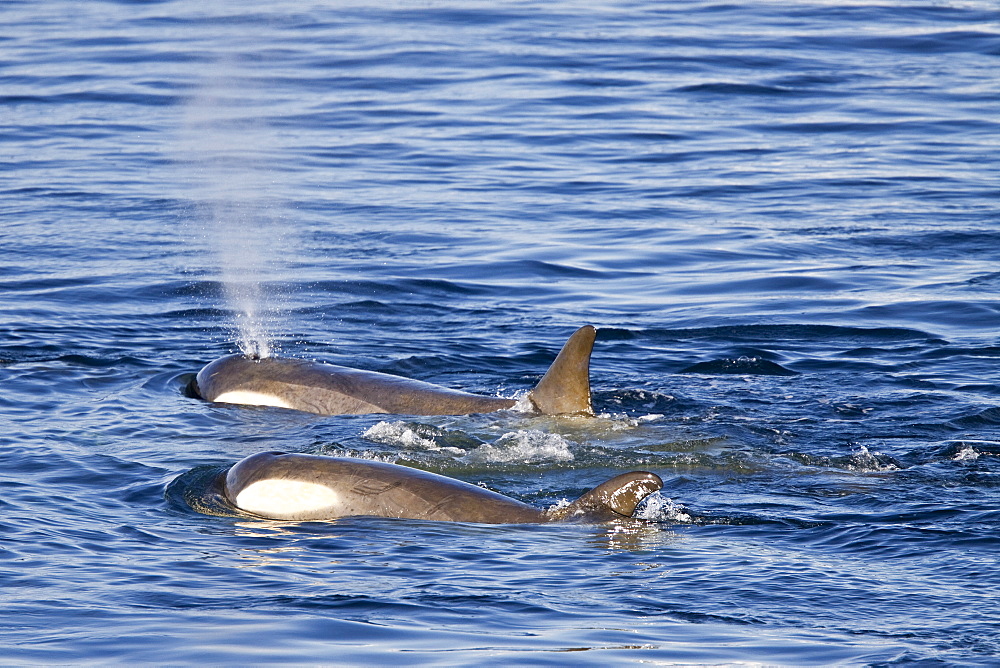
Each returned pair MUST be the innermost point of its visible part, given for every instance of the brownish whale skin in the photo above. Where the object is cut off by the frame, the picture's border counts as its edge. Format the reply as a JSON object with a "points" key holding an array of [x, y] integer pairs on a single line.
{"points": [[300, 487], [327, 389]]}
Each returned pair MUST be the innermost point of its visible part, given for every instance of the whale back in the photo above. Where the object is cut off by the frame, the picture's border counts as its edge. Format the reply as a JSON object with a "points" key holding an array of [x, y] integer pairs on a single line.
{"points": [[328, 389], [299, 487], [310, 487]]}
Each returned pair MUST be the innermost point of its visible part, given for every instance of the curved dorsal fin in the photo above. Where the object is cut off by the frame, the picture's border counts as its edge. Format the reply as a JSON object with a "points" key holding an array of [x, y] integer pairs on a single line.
{"points": [[565, 387], [617, 497]]}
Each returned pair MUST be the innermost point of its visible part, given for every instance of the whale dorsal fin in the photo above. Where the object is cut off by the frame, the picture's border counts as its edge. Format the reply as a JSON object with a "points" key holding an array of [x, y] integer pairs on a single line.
{"points": [[565, 387], [617, 497]]}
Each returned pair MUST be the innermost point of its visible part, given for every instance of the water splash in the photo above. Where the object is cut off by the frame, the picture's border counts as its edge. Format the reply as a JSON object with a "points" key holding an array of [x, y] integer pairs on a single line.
{"points": [[966, 454], [238, 238], [660, 508], [523, 446], [515, 447], [228, 149]]}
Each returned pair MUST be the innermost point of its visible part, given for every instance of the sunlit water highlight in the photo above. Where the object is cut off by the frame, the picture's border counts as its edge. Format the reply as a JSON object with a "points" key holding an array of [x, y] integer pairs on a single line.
{"points": [[782, 217]]}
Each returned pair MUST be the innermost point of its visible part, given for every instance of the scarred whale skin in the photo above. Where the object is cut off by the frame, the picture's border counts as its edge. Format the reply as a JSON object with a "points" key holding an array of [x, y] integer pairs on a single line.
{"points": [[299, 487], [327, 389]]}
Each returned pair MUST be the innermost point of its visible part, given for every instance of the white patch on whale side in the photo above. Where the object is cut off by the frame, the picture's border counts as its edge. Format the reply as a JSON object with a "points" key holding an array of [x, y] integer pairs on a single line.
{"points": [[251, 399], [284, 497]]}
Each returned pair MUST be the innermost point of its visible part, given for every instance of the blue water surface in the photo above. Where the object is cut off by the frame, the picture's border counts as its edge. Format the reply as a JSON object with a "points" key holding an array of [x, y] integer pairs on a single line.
{"points": [[783, 218]]}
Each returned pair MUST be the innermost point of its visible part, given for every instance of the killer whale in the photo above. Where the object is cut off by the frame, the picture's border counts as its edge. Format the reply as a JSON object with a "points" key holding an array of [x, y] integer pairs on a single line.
{"points": [[328, 389], [298, 487]]}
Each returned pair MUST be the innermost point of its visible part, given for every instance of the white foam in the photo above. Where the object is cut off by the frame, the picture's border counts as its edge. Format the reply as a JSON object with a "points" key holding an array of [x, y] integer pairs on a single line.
{"points": [[399, 433], [251, 399], [561, 504], [524, 446], [966, 454], [282, 498], [866, 461], [660, 508], [524, 404]]}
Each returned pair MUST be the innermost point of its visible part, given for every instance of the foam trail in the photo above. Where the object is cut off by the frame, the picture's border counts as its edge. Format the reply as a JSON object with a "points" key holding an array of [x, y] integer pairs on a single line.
{"points": [[227, 147]]}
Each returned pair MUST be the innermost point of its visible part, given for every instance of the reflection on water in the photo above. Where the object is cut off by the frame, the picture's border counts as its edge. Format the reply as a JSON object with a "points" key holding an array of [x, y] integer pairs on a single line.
{"points": [[263, 557], [306, 542], [633, 536], [780, 216]]}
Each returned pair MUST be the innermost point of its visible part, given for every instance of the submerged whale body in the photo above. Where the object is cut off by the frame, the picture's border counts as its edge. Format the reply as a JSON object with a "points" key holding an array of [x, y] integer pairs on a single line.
{"points": [[296, 487], [327, 389]]}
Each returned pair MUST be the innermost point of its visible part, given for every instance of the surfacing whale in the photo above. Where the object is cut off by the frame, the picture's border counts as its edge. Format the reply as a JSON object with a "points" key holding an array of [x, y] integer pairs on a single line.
{"points": [[299, 487], [327, 389]]}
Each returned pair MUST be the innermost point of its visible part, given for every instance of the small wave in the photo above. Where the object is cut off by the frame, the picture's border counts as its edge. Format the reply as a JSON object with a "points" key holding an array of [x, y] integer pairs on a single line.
{"points": [[609, 423], [768, 333], [416, 436], [966, 454], [983, 419], [726, 88], [968, 450], [523, 446], [655, 403], [622, 422], [398, 433], [861, 461], [755, 366], [866, 461]]}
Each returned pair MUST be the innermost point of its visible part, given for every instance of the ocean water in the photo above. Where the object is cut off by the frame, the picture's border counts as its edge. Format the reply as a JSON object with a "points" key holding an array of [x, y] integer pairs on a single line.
{"points": [[784, 219]]}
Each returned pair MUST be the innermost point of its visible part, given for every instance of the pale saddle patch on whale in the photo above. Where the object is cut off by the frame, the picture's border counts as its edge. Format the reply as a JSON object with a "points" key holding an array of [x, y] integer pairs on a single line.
{"points": [[283, 497], [248, 398]]}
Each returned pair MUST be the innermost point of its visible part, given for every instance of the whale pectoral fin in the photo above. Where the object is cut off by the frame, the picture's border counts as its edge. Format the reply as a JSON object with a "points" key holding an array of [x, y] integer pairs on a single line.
{"points": [[565, 387], [617, 497]]}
